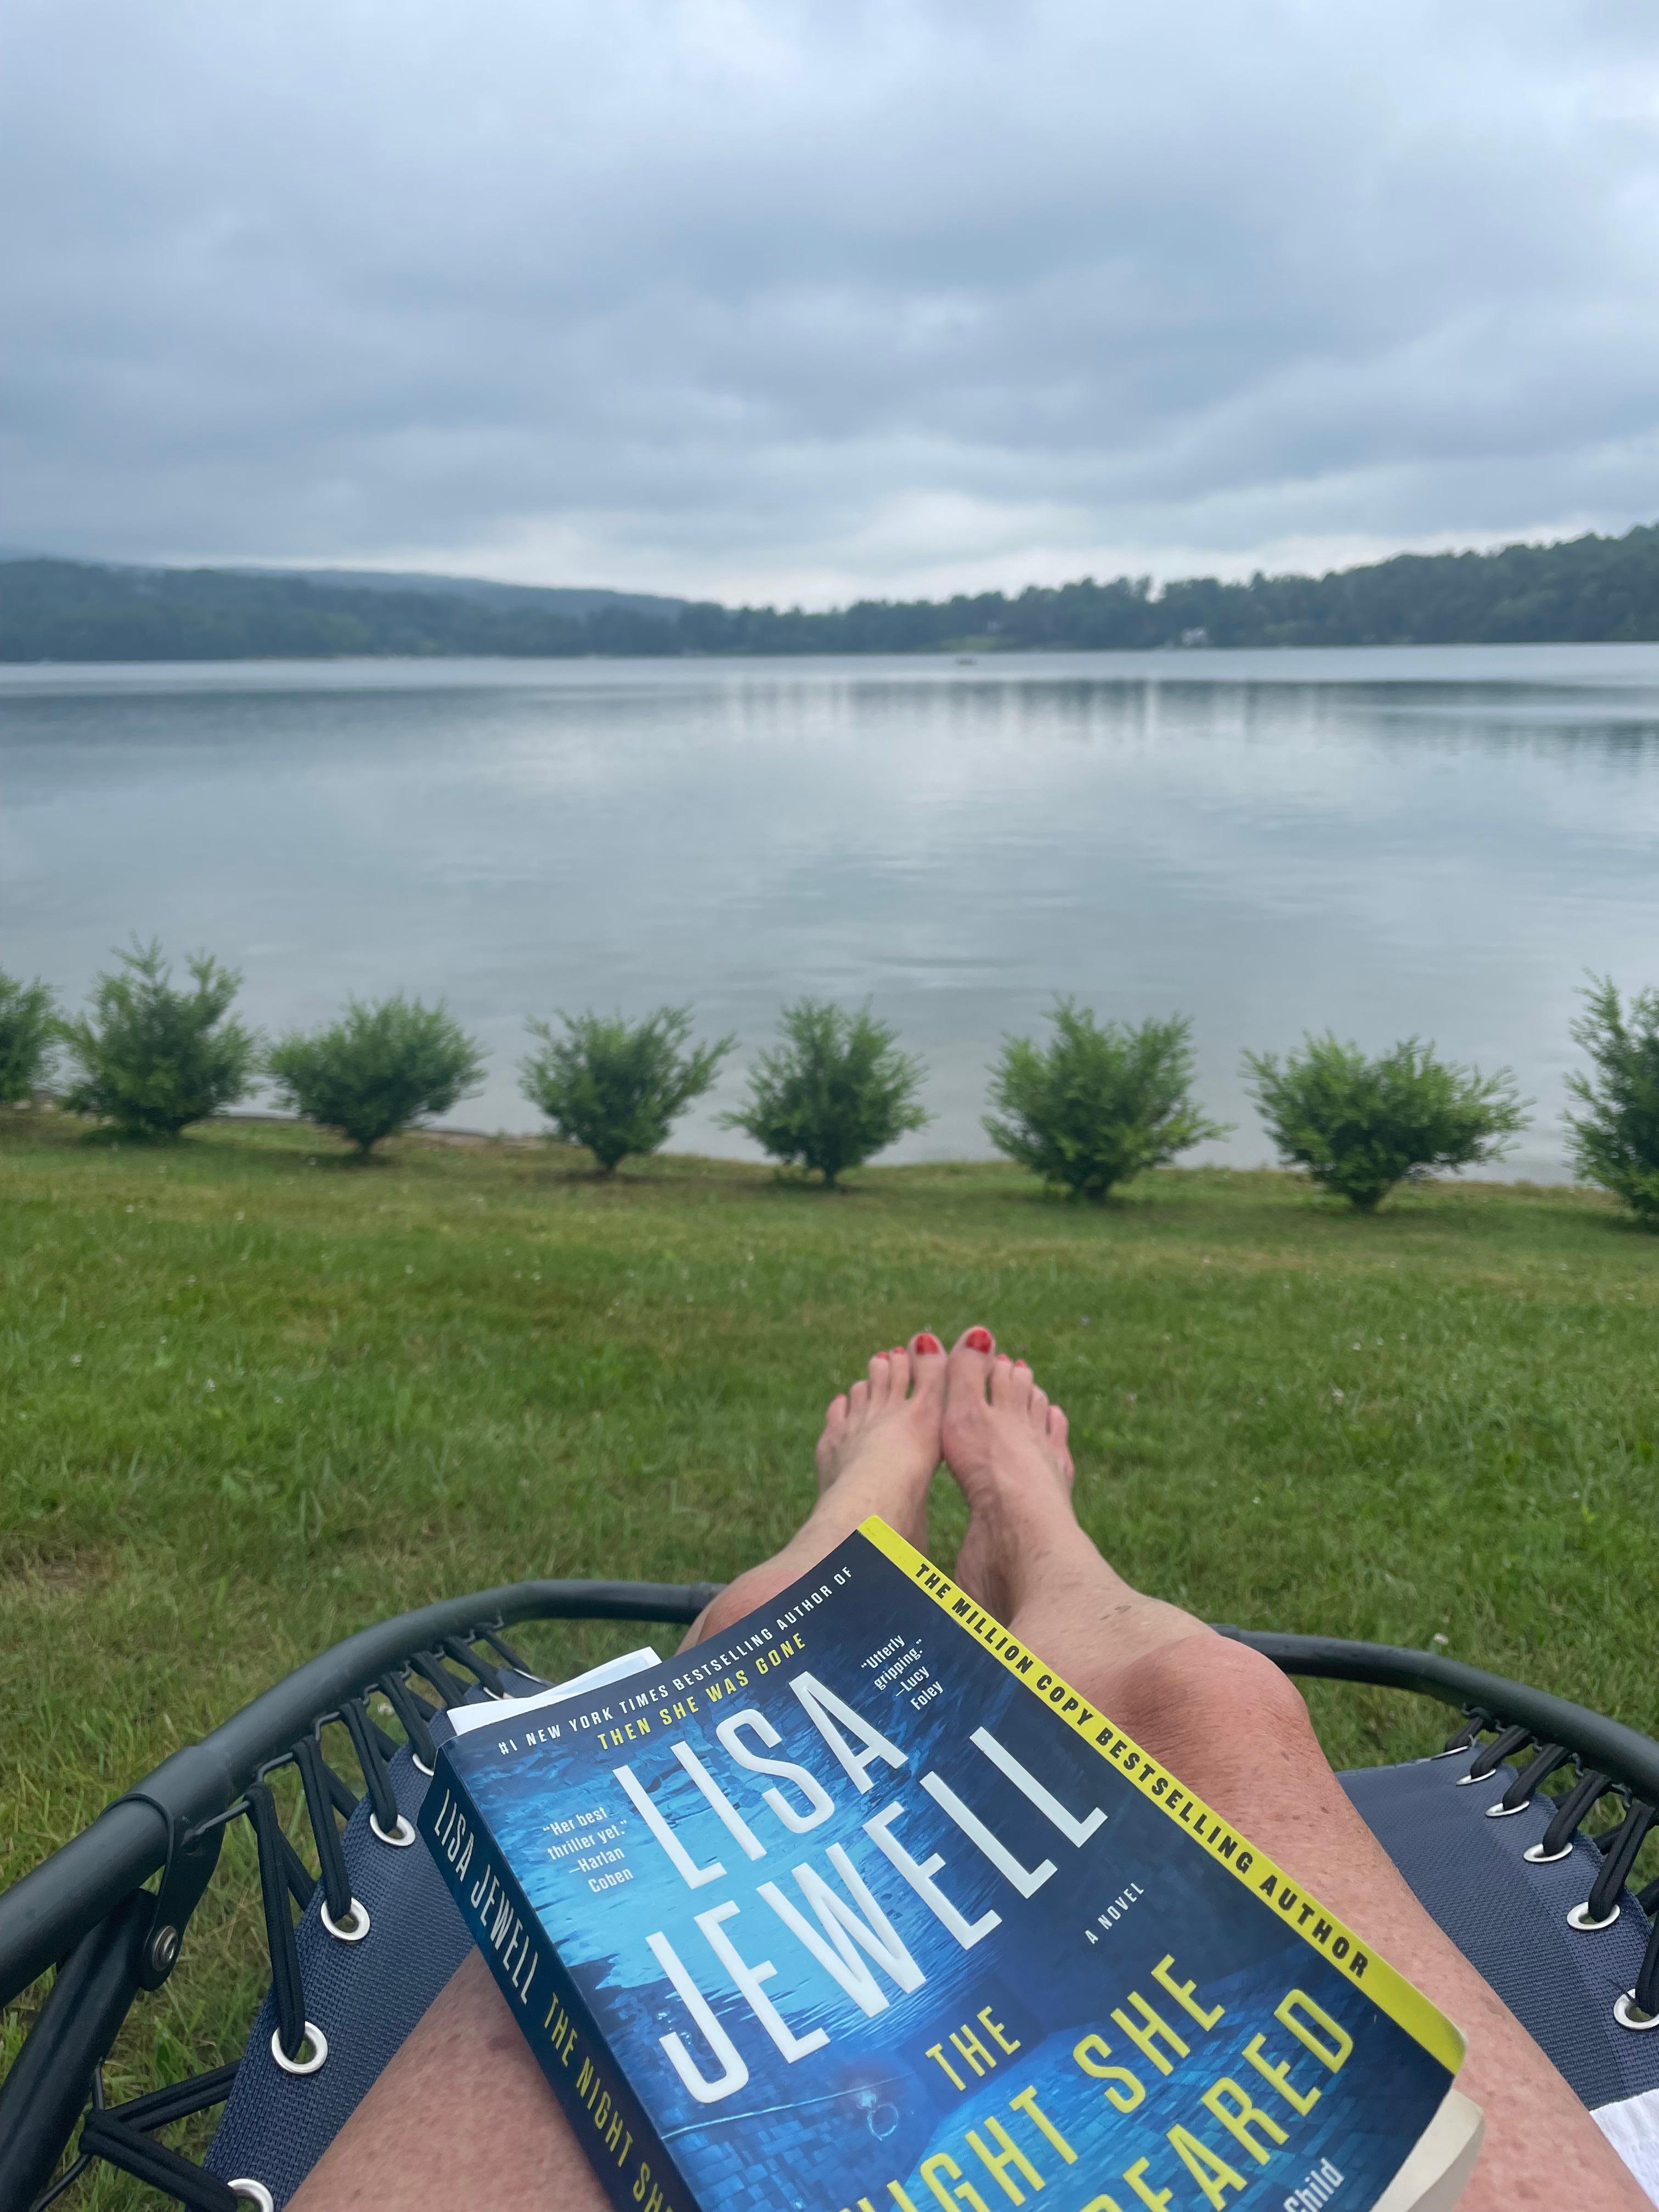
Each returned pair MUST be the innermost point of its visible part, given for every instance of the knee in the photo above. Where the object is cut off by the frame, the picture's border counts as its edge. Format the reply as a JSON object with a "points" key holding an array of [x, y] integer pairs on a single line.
{"points": [[1206, 1700], [751, 1590]]}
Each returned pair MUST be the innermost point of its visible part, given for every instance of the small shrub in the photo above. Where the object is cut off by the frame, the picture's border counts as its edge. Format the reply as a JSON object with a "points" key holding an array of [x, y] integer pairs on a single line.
{"points": [[28, 1030], [378, 1069], [1615, 1141], [837, 1090], [618, 1086], [1096, 1106], [1361, 1126], [153, 1058]]}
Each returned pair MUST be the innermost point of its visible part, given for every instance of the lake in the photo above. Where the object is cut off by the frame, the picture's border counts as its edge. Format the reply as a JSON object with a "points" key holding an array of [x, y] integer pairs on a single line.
{"points": [[1440, 841]]}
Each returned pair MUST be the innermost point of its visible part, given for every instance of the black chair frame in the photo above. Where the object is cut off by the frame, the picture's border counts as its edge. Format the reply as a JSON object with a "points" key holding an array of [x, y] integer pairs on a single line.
{"points": [[86, 1910]]}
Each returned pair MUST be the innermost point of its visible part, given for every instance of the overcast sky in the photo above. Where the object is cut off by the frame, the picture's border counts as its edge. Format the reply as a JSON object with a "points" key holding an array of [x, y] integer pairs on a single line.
{"points": [[809, 298]]}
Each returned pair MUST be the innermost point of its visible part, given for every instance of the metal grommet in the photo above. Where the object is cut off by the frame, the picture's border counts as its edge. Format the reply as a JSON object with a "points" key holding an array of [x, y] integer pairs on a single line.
{"points": [[314, 2037], [1535, 1854], [254, 2191], [1578, 1918], [420, 1766], [1464, 1780], [355, 1928], [402, 1836], [1501, 1811], [1624, 2013]]}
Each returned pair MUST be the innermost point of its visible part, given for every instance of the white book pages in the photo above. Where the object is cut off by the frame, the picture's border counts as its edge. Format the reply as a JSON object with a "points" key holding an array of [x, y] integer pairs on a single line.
{"points": [[1438, 2172], [497, 1712]]}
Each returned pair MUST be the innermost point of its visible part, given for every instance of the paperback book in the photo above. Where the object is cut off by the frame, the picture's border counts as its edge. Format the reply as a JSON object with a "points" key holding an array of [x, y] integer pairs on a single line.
{"points": [[858, 1907]]}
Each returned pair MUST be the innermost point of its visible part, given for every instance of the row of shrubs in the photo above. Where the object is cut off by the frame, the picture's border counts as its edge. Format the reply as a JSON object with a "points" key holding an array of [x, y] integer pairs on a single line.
{"points": [[1087, 1109]]}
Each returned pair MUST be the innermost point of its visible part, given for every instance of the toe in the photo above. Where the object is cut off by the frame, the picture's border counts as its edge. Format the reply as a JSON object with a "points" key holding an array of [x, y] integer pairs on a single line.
{"points": [[1039, 1410], [927, 1367], [881, 1376], [1002, 1380], [898, 1365], [858, 1398], [969, 1363], [834, 1428], [1020, 1385]]}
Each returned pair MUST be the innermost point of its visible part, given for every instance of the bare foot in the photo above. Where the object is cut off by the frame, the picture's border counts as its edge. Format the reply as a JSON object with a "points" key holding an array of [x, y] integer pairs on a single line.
{"points": [[880, 1446], [1006, 1446], [879, 1454]]}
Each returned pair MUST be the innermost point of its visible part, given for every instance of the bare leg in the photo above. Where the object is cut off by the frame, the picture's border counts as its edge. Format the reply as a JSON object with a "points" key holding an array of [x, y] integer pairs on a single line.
{"points": [[502, 2140], [1234, 1729]]}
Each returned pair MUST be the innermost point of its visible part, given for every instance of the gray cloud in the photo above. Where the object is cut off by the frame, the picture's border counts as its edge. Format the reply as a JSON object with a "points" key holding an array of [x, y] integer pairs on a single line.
{"points": [[786, 297]]}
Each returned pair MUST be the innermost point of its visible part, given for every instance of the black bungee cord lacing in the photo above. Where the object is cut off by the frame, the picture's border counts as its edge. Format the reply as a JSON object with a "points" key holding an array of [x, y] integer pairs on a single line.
{"points": [[1637, 2008], [343, 1916], [1619, 1847], [292, 2031], [430, 1667], [122, 2138], [413, 1713], [1528, 1780], [1570, 1815], [297, 2045], [373, 1748], [503, 1649], [1475, 1725], [416, 1687], [489, 1675], [1492, 1757]]}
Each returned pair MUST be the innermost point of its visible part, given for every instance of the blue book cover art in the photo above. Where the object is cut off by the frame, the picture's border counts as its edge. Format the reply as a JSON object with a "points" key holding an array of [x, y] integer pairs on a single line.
{"points": [[859, 1905]]}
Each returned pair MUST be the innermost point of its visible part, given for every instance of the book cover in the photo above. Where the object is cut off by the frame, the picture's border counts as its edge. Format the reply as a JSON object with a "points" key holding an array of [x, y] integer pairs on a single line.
{"points": [[859, 1905]]}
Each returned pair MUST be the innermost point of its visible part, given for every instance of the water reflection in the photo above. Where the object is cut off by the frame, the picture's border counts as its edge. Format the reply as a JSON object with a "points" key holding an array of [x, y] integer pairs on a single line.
{"points": [[1440, 842]]}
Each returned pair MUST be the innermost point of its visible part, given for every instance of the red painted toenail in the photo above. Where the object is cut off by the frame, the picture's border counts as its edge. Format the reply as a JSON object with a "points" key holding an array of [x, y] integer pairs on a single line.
{"points": [[978, 1340], [928, 1342], [1025, 1363]]}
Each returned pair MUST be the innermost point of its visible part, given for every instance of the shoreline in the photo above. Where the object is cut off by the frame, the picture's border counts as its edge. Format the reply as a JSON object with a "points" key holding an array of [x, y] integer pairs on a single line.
{"points": [[1188, 658], [445, 1137]]}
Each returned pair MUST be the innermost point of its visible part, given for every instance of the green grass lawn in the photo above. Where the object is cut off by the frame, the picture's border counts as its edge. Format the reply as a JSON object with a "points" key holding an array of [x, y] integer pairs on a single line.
{"points": [[252, 1397]]}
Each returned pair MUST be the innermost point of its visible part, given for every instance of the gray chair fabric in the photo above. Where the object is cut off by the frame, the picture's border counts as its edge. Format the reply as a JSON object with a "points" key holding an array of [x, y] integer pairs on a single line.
{"points": [[365, 1997], [1509, 1917]]}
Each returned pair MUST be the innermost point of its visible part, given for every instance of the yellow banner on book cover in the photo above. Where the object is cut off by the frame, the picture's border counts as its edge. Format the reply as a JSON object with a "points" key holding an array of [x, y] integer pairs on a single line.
{"points": [[1349, 1953]]}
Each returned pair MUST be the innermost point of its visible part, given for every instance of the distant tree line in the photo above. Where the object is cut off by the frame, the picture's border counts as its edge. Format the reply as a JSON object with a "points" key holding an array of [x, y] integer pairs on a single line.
{"points": [[74, 611], [1592, 589], [1588, 589], [1091, 1108]]}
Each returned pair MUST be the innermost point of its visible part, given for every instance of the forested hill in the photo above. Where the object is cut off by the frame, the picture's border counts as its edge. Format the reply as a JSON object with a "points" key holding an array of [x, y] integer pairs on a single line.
{"points": [[1590, 588], [82, 610]]}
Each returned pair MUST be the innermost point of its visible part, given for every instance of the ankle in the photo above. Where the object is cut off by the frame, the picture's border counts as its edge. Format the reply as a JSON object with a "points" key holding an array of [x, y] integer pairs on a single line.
{"points": [[1030, 1528]]}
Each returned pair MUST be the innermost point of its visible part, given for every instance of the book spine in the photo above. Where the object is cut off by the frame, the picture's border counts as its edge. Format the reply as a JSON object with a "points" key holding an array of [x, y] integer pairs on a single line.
{"points": [[628, 2155]]}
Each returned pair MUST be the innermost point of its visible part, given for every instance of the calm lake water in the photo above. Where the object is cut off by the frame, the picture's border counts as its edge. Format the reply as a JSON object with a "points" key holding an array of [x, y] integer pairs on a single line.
{"points": [[1440, 841]]}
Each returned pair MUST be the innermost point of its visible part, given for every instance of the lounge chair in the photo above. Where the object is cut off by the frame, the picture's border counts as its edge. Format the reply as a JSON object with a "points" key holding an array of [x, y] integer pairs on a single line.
{"points": [[1520, 1837]]}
